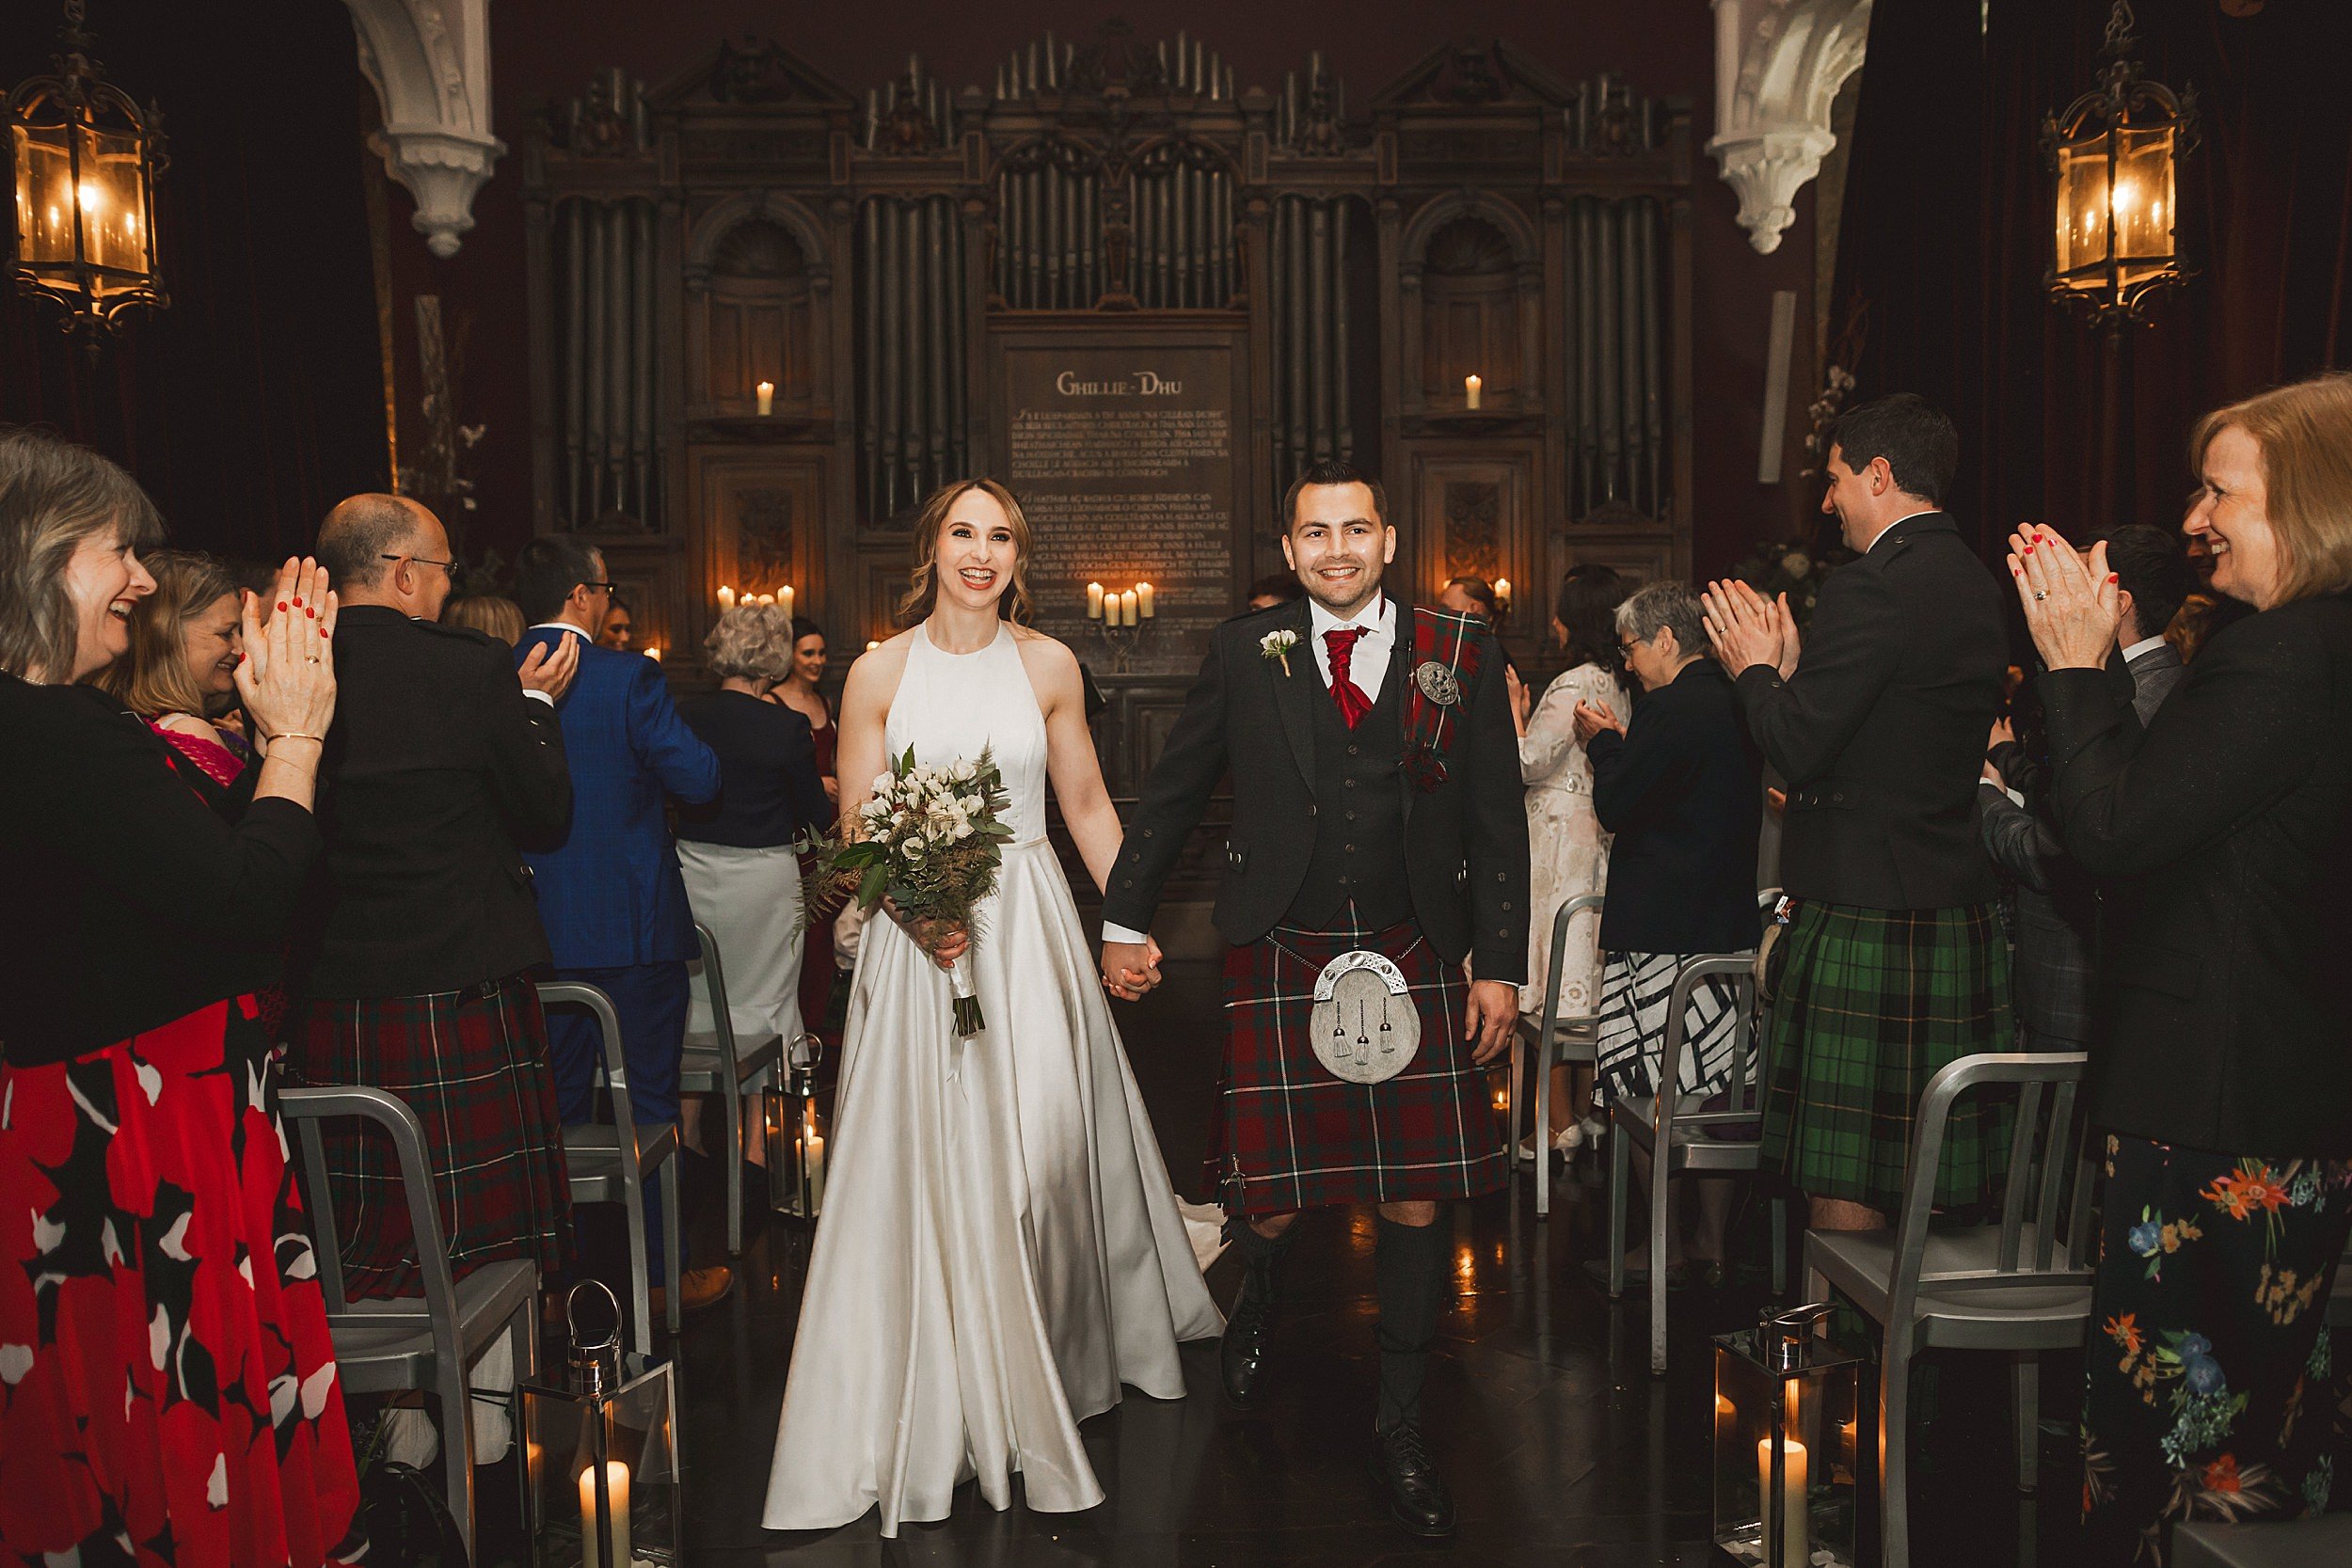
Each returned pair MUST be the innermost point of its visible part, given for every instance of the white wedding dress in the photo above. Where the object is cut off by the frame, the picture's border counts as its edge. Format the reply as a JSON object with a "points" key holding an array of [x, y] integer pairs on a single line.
{"points": [[1000, 1247]]}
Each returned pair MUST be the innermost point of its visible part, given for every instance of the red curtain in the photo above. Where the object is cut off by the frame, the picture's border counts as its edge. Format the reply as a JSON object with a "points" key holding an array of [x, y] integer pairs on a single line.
{"points": [[1946, 239]]}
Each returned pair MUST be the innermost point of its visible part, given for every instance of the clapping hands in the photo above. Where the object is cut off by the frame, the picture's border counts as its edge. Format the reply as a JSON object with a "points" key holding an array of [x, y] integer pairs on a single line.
{"points": [[1748, 630], [1590, 719], [2072, 605]]}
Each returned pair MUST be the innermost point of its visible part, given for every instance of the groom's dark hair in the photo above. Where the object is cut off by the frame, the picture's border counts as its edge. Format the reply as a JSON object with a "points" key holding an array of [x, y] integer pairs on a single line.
{"points": [[1331, 470]]}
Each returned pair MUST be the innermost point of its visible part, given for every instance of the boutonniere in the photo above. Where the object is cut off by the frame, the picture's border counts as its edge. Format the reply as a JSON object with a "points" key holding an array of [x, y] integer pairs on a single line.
{"points": [[1277, 645]]}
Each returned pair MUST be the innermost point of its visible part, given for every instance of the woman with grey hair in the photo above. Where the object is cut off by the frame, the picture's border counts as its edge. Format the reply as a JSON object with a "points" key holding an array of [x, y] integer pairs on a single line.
{"points": [[736, 853], [1680, 788]]}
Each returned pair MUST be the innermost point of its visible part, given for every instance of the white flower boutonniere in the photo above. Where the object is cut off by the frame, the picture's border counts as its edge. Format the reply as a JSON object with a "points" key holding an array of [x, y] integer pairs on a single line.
{"points": [[1278, 644]]}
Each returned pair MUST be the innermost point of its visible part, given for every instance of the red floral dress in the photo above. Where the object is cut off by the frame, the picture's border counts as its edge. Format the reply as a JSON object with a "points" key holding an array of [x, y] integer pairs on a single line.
{"points": [[168, 1389]]}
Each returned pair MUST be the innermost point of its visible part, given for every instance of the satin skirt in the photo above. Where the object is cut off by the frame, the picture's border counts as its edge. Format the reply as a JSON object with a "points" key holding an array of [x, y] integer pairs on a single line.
{"points": [[1000, 1248]]}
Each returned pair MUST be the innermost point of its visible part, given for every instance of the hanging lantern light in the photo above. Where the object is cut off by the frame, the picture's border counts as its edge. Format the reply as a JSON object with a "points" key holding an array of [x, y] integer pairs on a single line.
{"points": [[2115, 151], [84, 160]]}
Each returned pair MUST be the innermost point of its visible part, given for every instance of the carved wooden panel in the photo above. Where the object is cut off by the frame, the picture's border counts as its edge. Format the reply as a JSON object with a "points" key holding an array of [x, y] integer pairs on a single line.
{"points": [[1472, 516], [760, 516]]}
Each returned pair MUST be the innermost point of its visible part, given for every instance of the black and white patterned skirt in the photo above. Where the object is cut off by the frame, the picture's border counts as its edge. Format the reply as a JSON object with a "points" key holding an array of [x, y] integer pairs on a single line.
{"points": [[1635, 989]]}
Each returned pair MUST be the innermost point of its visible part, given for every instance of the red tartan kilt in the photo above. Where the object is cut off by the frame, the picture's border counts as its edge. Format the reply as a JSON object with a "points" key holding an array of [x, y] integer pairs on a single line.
{"points": [[1291, 1136], [473, 1067]]}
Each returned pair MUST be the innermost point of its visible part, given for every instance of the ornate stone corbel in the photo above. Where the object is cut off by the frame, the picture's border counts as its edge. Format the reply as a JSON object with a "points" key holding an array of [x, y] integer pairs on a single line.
{"points": [[429, 61], [1778, 66]]}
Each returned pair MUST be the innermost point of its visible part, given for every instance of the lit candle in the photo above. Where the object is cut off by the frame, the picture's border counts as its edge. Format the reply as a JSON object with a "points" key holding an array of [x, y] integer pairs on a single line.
{"points": [[1726, 1421], [767, 601], [654, 653], [871, 646], [1795, 1531], [1094, 601], [813, 1144], [616, 1495], [1502, 593], [726, 599], [768, 398], [783, 600], [1143, 600], [1473, 389], [1127, 608]]}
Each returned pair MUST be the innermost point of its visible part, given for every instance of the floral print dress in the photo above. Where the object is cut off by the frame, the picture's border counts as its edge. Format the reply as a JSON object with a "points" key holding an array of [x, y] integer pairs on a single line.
{"points": [[2210, 1391], [1567, 851]]}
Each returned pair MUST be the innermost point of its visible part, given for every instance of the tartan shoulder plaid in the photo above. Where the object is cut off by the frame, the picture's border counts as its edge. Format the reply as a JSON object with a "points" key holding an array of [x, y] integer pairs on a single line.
{"points": [[1442, 638]]}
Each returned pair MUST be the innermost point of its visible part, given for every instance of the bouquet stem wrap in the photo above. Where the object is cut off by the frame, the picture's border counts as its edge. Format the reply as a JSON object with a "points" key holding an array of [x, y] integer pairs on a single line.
{"points": [[968, 1019]]}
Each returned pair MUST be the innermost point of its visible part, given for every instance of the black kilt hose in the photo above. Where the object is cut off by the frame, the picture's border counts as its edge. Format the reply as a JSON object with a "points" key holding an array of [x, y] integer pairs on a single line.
{"points": [[1292, 1135]]}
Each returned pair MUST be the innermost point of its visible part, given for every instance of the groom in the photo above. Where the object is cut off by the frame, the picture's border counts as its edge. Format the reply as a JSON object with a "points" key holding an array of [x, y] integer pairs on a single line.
{"points": [[1376, 816]]}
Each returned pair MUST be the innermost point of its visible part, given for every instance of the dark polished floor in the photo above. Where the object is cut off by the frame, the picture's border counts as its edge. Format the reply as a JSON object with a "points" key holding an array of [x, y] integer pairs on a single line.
{"points": [[1561, 1448]]}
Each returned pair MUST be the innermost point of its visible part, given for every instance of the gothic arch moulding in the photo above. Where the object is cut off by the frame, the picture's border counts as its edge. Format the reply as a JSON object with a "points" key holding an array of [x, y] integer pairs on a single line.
{"points": [[1778, 66], [713, 227], [429, 61]]}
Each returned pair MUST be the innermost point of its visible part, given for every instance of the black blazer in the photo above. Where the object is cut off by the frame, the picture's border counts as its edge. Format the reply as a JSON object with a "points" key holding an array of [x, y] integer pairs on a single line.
{"points": [[2227, 826], [436, 767], [1683, 791], [129, 903], [1881, 732], [1465, 842]]}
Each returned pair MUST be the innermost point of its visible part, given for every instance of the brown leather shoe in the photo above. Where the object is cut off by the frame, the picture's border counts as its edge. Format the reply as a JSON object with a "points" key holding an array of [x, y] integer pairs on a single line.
{"points": [[698, 1289]]}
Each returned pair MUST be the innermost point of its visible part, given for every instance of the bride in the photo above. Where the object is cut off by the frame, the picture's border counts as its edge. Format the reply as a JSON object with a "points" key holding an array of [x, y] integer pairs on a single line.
{"points": [[1001, 1248]]}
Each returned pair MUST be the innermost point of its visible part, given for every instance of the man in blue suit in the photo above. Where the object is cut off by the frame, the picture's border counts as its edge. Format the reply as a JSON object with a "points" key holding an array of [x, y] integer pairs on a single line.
{"points": [[610, 895]]}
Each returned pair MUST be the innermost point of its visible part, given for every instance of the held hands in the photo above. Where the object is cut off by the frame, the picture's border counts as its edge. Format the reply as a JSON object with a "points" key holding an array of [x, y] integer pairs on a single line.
{"points": [[1748, 630], [287, 679], [1131, 968], [550, 670], [1590, 719], [1492, 1014], [2073, 606]]}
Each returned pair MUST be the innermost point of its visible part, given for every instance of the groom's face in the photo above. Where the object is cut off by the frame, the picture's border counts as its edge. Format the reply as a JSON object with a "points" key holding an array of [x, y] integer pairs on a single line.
{"points": [[1338, 545]]}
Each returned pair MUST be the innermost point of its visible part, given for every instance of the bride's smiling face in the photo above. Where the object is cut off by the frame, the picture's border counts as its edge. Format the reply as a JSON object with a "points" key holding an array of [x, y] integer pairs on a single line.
{"points": [[976, 553]]}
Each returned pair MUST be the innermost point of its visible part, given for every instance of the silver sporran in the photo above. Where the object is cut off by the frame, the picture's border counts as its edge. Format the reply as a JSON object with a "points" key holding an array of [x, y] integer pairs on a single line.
{"points": [[1365, 1027]]}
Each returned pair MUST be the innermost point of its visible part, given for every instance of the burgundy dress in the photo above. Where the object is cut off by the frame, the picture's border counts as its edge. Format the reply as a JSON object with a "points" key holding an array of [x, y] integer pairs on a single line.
{"points": [[816, 965], [167, 1386]]}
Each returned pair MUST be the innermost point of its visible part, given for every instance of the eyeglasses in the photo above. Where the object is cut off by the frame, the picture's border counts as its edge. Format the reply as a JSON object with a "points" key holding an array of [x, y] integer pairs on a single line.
{"points": [[449, 566], [600, 587]]}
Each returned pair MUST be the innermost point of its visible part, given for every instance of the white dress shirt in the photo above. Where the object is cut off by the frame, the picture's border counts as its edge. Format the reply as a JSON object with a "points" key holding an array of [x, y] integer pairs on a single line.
{"points": [[1898, 523], [2144, 645], [1366, 666]]}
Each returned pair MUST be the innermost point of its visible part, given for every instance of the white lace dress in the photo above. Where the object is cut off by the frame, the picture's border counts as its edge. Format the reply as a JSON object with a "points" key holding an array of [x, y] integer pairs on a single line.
{"points": [[1001, 1249], [1569, 853]]}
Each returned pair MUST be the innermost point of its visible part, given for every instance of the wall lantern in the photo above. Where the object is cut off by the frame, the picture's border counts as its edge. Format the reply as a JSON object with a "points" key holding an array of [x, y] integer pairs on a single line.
{"points": [[82, 159], [2115, 151]]}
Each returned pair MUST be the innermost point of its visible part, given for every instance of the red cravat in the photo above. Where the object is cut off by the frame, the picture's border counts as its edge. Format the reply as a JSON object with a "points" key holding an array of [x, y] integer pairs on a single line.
{"points": [[1354, 705]]}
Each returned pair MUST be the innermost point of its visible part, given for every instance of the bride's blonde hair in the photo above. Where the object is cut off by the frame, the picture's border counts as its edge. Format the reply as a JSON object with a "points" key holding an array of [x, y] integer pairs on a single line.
{"points": [[923, 582]]}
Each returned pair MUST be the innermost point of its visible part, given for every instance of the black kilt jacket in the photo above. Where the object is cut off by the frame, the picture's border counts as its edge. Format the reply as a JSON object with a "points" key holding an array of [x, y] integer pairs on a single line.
{"points": [[1463, 842]]}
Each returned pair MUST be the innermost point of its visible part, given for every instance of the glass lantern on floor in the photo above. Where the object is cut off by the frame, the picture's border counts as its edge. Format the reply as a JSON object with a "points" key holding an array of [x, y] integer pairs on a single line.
{"points": [[796, 1136], [600, 1458], [1790, 1415]]}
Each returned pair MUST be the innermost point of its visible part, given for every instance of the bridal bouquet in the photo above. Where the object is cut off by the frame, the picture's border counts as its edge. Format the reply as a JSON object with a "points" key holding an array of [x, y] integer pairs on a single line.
{"points": [[931, 841]]}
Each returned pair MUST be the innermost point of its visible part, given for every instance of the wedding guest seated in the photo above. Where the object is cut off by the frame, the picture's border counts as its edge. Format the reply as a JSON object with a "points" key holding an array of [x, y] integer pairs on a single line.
{"points": [[501, 617], [2221, 1070], [159, 1306], [180, 673], [743, 877], [2057, 904], [1570, 847], [1680, 790], [609, 889]]}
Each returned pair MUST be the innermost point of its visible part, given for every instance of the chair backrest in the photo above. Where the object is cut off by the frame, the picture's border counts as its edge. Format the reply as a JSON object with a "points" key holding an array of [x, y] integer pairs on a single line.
{"points": [[715, 992], [572, 994], [303, 1111], [2045, 1227], [1582, 903], [1747, 1063]]}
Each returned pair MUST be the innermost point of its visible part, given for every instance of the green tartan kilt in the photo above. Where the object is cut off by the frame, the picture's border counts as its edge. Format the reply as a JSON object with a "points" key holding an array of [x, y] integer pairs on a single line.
{"points": [[1872, 1003]]}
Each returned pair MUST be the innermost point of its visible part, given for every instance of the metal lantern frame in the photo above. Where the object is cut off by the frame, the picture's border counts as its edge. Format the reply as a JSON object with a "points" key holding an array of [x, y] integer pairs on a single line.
{"points": [[796, 1136], [1795, 1446], [2125, 117], [68, 121], [600, 1458]]}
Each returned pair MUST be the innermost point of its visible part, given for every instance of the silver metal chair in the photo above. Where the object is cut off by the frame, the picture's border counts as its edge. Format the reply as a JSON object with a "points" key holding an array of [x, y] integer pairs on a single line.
{"points": [[611, 1161], [1555, 1040], [430, 1348], [2021, 1285], [2325, 1542], [703, 1069], [1677, 1144]]}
